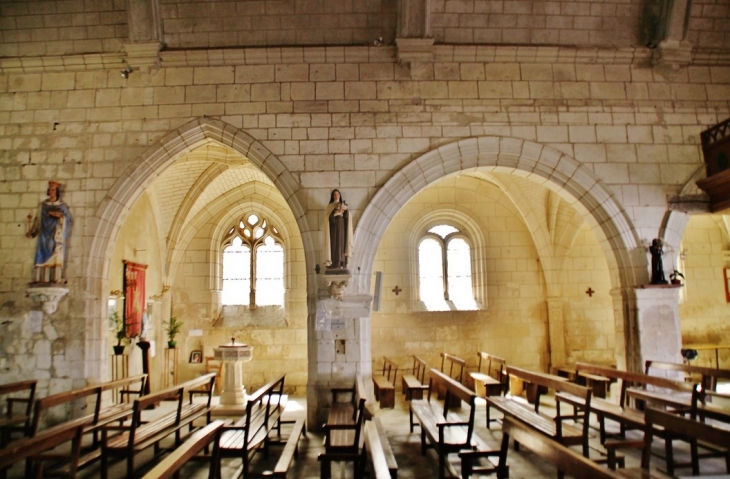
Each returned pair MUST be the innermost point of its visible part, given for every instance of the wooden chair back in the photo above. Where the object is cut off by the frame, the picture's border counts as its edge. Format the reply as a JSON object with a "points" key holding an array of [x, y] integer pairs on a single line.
{"points": [[419, 369], [455, 366], [390, 369]]}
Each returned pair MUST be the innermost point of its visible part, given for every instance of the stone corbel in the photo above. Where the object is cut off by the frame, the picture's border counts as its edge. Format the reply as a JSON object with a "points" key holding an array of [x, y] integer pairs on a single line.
{"points": [[414, 50], [48, 296], [143, 55], [336, 284], [672, 54]]}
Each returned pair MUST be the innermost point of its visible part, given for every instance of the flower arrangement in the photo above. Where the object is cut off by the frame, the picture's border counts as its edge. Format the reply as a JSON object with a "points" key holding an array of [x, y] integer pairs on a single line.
{"points": [[674, 277]]}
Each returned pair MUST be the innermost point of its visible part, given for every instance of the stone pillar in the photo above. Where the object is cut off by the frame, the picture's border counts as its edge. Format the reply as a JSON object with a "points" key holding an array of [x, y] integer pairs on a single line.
{"points": [[625, 339], [340, 350], [413, 37], [657, 316], [556, 330]]}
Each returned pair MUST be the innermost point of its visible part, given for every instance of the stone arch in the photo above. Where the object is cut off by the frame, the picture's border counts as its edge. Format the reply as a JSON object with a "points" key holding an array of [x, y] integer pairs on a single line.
{"points": [[548, 166], [114, 207]]}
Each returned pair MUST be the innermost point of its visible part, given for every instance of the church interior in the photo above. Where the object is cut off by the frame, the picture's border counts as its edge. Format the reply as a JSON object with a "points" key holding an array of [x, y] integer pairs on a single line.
{"points": [[507, 171]]}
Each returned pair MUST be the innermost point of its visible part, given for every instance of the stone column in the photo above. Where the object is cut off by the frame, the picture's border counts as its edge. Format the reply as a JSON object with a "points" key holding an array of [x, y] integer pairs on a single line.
{"points": [[413, 37], [341, 349], [657, 316], [556, 330]]}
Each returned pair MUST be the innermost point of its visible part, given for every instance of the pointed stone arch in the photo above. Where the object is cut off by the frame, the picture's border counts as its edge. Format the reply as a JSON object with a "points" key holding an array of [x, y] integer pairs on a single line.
{"points": [[109, 216], [548, 166]]}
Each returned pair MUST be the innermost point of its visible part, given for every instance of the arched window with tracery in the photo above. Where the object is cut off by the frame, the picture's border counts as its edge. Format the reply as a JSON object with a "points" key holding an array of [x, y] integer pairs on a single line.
{"points": [[444, 270], [253, 264]]}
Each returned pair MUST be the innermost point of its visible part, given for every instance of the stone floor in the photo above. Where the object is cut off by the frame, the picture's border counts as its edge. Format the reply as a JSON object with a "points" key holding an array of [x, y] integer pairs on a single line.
{"points": [[406, 447]]}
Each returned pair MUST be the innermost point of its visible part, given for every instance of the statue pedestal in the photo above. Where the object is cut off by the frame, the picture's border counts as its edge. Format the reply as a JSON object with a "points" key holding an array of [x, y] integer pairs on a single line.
{"points": [[233, 355], [337, 282], [48, 296]]}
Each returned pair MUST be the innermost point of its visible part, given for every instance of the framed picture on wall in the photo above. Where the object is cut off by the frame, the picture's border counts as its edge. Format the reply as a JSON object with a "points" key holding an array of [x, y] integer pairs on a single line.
{"points": [[196, 357]]}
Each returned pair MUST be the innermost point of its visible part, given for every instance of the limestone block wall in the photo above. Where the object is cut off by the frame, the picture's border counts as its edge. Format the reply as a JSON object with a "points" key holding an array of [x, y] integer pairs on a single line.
{"points": [[704, 310], [191, 24], [61, 27], [588, 319]]}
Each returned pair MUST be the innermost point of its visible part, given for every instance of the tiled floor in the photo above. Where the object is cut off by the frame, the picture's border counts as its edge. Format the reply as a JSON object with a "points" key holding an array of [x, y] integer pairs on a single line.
{"points": [[406, 447]]}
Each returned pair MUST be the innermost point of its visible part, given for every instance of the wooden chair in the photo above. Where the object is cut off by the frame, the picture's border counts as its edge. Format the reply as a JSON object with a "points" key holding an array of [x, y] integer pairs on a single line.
{"points": [[212, 365]]}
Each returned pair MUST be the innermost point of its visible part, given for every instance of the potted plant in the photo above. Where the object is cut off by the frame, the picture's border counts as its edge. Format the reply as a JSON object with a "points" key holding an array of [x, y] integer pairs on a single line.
{"points": [[674, 277], [119, 331], [172, 327]]}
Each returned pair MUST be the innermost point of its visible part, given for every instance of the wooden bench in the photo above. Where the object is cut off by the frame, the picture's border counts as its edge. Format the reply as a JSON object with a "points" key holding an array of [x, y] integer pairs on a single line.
{"points": [[709, 376], [384, 384], [598, 384], [251, 433], [491, 382], [14, 420], [105, 410], [380, 457], [183, 454], [441, 427], [31, 447], [676, 427], [552, 427], [139, 435], [291, 450], [453, 367], [565, 459], [343, 429], [414, 384], [621, 411]]}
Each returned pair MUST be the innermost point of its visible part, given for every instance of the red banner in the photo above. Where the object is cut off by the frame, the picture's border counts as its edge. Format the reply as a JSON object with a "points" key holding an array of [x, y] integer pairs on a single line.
{"points": [[134, 297]]}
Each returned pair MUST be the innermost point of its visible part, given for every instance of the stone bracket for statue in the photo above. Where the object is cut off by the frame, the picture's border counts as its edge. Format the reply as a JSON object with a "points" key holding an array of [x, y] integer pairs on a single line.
{"points": [[48, 296], [233, 356], [337, 283]]}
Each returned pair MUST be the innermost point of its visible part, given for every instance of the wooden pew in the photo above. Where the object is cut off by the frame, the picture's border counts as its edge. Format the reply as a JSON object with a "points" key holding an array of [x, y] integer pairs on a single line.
{"points": [[139, 435], [414, 384], [251, 433], [598, 384], [343, 430], [384, 384], [441, 428], [565, 459], [709, 376], [14, 420], [103, 413], [382, 464], [621, 411], [552, 427], [375, 452], [453, 367], [676, 427], [31, 447], [291, 450], [183, 454], [491, 382]]}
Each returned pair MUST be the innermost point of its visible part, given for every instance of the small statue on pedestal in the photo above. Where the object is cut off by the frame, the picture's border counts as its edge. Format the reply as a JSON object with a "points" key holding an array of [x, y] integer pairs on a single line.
{"points": [[657, 266]]}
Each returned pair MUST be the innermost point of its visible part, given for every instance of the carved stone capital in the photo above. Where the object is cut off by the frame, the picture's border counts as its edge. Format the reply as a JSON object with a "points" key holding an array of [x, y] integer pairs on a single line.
{"points": [[143, 56]]}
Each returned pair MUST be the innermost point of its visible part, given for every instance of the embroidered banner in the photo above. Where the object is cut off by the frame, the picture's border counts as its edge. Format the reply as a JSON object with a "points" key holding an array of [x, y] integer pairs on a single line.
{"points": [[134, 297]]}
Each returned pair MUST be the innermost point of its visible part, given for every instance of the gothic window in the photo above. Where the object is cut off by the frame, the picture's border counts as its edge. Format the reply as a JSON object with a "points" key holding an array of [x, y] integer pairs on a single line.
{"points": [[253, 264], [444, 270]]}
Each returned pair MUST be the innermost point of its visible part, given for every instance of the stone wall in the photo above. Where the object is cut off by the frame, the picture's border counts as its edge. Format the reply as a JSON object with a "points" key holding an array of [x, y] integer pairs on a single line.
{"points": [[703, 308]]}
